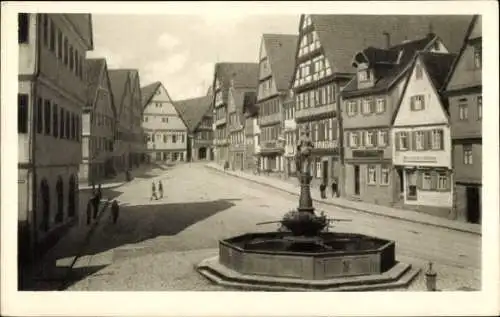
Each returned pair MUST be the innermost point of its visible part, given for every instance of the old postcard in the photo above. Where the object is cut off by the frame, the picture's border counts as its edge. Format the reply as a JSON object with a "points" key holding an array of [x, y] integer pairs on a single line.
{"points": [[208, 152]]}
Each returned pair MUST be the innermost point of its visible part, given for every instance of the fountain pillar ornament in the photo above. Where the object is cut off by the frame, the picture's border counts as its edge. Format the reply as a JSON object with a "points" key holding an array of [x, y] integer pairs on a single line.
{"points": [[303, 161]]}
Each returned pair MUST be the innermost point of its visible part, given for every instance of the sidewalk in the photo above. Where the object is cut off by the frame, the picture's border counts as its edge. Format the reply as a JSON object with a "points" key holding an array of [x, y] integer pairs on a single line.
{"points": [[292, 186]]}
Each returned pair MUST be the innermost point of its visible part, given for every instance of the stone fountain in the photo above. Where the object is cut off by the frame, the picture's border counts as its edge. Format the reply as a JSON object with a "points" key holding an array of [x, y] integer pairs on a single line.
{"points": [[303, 255]]}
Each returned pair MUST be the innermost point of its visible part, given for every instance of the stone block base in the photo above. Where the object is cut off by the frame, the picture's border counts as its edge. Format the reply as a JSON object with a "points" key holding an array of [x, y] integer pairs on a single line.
{"points": [[400, 276]]}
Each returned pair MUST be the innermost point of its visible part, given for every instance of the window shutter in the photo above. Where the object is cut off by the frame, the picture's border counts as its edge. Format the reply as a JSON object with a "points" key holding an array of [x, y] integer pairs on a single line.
{"points": [[413, 143], [361, 138], [334, 129], [348, 139], [420, 179], [448, 181], [412, 103], [441, 140], [386, 138], [374, 138], [398, 142], [372, 105]]}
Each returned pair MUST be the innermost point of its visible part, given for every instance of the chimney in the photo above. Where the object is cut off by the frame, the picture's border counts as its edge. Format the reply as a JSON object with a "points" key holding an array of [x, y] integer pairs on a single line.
{"points": [[387, 40]]}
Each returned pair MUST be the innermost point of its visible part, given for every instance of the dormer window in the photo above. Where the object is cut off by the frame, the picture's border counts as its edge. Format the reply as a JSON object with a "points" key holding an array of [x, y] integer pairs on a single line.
{"points": [[477, 56], [364, 75]]}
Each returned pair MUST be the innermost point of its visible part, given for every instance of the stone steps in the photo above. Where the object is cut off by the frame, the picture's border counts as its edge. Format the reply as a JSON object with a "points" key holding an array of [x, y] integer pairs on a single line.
{"points": [[400, 276]]}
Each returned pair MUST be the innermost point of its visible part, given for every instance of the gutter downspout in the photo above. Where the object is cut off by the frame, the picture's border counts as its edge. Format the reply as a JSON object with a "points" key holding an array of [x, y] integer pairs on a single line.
{"points": [[34, 92]]}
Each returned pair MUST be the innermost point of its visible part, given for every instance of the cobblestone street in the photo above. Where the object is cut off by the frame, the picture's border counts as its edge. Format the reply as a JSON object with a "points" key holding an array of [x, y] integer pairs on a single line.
{"points": [[156, 244]]}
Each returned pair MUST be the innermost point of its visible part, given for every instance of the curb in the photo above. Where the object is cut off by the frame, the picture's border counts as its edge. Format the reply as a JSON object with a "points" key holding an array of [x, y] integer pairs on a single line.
{"points": [[466, 230], [84, 244]]}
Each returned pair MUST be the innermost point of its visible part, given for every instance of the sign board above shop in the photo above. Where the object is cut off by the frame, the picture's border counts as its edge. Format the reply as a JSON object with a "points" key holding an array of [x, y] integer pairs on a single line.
{"points": [[375, 154], [420, 159]]}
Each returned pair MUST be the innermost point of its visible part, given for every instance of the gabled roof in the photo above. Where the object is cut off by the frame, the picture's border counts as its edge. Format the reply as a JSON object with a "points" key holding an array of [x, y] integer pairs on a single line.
{"points": [[244, 75], [437, 66], [82, 23], [342, 35], [119, 79], [94, 69], [387, 66], [460, 53], [280, 49], [147, 92], [192, 111]]}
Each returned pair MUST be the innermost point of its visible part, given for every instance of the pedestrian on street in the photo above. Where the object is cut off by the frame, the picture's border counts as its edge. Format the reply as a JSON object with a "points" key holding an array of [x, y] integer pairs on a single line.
{"points": [[95, 202], [322, 189], [89, 211], [153, 192], [335, 192], [115, 211], [160, 189], [99, 192]]}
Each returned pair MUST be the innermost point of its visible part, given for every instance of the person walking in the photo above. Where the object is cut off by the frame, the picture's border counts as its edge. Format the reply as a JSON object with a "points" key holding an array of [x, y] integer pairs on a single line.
{"points": [[99, 192], [115, 211], [322, 189], [89, 211], [160, 189], [153, 192], [335, 192]]}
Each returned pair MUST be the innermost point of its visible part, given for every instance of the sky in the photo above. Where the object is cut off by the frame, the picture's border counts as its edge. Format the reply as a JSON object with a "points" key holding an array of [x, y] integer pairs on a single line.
{"points": [[181, 50]]}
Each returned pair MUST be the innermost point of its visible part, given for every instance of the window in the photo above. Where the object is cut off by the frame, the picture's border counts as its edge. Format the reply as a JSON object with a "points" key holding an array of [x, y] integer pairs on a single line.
{"points": [[59, 44], [442, 181], [372, 175], [52, 42], [384, 175], [174, 138], [366, 106], [467, 154], [463, 111], [23, 27], [22, 113], [419, 140], [67, 125], [351, 108], [437, 140], [363, 75], [55, 121], [403, 141], [164, 138], [479, 107], [418, 71], [66, 52], [477, 56], [47, 116], [426, 181], [382, 138], [380, 105], [369, 138], [145, 119], [164, 119], [39, 115], [354, 139], [182, 138], [417, 103]]}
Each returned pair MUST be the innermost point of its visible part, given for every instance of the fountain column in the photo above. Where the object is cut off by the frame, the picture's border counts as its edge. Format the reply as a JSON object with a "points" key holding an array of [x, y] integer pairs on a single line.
{"points": [[303, 154]]}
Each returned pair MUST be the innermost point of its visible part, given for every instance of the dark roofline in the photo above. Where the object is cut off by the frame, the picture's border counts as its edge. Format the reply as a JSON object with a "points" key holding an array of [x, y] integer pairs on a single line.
{"points": [[146, 101], [460, 53], [91, 32], [424, 67]]}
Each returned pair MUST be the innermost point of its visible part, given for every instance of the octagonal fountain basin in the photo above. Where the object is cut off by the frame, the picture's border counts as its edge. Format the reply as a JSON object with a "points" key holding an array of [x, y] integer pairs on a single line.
{"points": [[329, 260]]}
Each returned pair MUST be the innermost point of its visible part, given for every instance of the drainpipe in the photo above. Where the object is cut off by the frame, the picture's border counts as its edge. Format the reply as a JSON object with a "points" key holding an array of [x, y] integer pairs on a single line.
{"points": [[32, 214]]}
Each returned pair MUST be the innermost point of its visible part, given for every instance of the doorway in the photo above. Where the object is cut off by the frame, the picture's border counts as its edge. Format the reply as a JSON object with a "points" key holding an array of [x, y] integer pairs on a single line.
{"points": [[356, 180], [473, 205], [324, 171], [401, 181], [202, 153]]}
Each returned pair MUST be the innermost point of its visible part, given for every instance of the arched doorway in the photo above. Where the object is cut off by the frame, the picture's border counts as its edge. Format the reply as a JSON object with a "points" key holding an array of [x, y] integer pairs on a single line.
{"points": [[71, 196], [202, 153], [60, 199], [45, 193]]}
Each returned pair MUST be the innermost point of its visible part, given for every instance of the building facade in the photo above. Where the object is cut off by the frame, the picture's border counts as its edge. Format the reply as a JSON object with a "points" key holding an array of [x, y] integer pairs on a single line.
{"points": [[239, 76], [52, 92], [421, 133], [324, 67], [251, 112], [291, 134], [369, 102], [97, 125], [236, 129], [464, 92], [196, 113], [276, 64], [165, 131], [129, 137]]}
